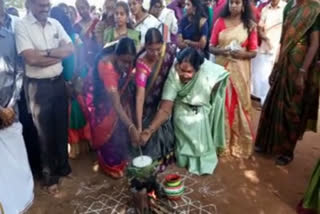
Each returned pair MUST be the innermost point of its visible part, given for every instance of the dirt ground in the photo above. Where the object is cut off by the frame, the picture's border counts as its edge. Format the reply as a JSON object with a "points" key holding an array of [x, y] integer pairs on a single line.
{"points": [[253, 186]]}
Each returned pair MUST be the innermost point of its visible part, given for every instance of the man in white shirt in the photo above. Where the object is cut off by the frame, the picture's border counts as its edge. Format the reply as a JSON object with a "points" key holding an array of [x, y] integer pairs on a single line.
{"points": [[269, 29], [43, 44]]}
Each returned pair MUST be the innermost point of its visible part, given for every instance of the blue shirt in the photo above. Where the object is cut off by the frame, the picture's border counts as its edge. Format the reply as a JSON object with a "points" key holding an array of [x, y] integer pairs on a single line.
{"points": [[10, 71]]}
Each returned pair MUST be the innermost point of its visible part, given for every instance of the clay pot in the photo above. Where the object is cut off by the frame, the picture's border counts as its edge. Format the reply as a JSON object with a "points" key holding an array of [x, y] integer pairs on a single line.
{"points": [[173, 186]]}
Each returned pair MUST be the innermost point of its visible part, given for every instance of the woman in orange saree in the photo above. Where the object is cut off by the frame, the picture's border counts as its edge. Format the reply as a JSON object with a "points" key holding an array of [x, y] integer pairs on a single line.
{"points": [[234, 42], [110, 107], [292, 103]]}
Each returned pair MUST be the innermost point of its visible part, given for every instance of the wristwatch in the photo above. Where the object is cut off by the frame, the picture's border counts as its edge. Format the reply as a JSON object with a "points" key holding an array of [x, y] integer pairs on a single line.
{"points": [[48, 52]]}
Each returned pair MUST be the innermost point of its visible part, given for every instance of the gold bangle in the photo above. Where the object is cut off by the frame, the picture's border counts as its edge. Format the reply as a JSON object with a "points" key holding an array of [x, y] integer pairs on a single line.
{"points": [[151, 129], [130, 126]]}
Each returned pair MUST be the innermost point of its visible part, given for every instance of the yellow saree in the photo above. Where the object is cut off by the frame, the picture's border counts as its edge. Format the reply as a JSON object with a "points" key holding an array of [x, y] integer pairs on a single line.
{"points": [[239, 134]]}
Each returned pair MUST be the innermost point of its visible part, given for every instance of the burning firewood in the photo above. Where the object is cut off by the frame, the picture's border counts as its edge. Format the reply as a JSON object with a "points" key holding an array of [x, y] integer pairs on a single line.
{"points": [[156, 207], [140, 200]]}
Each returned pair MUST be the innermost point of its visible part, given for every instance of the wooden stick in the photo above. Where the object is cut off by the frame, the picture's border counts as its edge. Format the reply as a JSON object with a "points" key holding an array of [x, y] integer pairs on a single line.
{"points": [[162, 209], [167, 205]]}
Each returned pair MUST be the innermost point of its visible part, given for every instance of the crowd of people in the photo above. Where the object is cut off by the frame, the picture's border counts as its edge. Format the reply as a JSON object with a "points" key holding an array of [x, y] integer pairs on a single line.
{"points": [[171, 80]]}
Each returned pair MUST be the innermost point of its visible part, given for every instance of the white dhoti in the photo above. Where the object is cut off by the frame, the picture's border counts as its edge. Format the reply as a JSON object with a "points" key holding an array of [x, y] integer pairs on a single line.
{"points": [[16, 181], [261, 68]]}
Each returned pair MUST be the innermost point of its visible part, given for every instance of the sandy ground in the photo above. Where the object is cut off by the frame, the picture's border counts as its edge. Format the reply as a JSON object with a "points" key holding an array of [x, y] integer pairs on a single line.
{"points": [[253, 186]]}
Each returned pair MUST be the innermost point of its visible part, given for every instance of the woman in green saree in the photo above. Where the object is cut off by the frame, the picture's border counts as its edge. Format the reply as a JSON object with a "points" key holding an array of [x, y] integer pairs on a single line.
{"points": [[311, 199], [123, 27], [195, 93], [291, 106]]}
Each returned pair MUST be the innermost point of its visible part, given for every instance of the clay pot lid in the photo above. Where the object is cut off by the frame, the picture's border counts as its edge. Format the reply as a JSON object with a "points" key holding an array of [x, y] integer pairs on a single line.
{"points": [[142, 161], [172, 178]]}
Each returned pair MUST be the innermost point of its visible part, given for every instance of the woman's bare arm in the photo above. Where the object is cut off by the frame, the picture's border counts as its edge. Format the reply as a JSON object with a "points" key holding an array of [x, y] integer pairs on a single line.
{"points": [[140, 97], [115, 97], [162, 116], [312, 50]]}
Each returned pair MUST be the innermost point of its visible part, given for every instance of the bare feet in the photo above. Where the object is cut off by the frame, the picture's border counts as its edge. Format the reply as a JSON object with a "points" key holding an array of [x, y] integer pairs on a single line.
{"points": [[69, 176], [82, 147], [54, 191], [96, 167], [74, 151]]}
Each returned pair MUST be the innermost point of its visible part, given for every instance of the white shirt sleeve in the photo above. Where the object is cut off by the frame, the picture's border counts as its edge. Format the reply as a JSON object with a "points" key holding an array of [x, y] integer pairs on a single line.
{"points": [[174, 22], [263, 18], [23, 40]]}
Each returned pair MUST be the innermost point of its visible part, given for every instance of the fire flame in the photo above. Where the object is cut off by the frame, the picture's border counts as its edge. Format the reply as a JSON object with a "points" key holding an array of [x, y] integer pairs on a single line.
{"points": [[152, 195]]}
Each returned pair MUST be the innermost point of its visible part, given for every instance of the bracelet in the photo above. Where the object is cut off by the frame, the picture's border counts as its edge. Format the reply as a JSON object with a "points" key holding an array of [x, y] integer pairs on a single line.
{"points": [[130, 126], [164, 111], [151, 129]]}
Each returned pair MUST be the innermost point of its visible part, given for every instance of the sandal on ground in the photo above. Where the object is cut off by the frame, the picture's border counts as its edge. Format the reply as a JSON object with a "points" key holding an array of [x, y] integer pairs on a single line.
{"points": [[283, 160], [55, 192]]}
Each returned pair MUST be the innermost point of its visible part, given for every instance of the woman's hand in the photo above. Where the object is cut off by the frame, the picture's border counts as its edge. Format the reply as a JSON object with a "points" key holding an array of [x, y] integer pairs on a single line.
{"points": [[220, 51], [238, 54], [184, 44], [187, 42], [225, 52], [181, 43], [134, 135], [7, 116], [139, 130], [269, 45], [301, 80], [77, 83], [145, 136]]}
